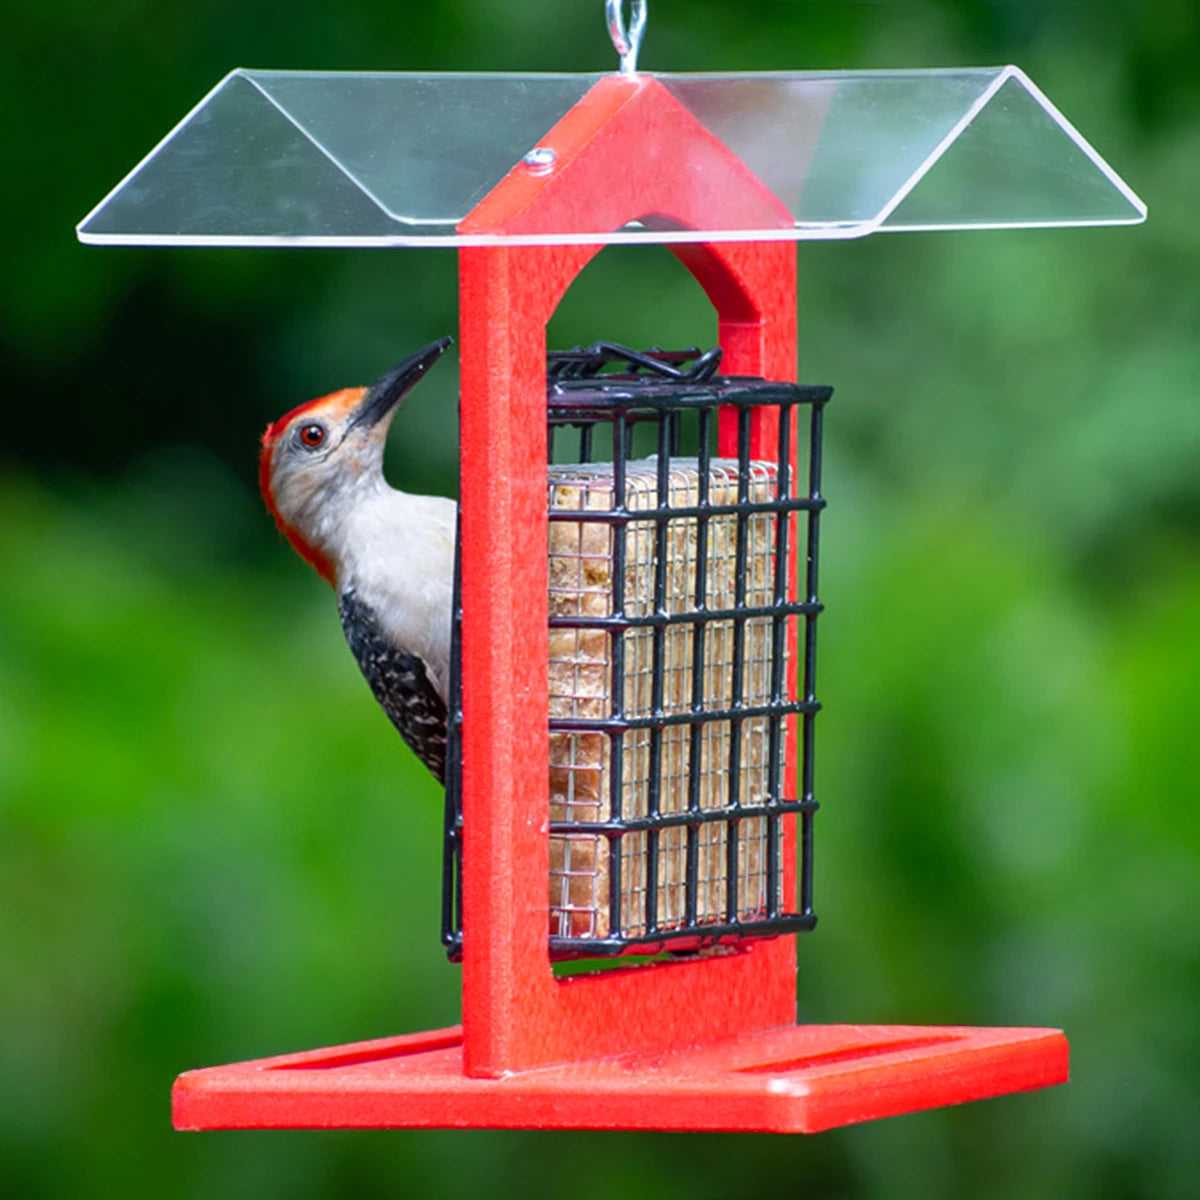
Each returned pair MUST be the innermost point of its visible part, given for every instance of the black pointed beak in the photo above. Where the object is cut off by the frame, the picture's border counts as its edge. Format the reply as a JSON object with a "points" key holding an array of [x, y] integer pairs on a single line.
{"points": [[390, 388]]}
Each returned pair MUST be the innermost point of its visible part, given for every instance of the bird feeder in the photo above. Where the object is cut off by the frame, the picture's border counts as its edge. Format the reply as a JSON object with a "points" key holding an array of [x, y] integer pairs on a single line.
{"points": [[707, 549]]}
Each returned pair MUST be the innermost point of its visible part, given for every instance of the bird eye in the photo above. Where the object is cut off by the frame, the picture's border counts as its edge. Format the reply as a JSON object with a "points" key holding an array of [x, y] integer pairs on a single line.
{"points": [[312, 436]]}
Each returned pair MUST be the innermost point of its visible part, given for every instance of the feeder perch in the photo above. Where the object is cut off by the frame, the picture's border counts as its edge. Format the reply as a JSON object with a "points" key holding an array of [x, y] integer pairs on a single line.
{"points": [[529, 176]]}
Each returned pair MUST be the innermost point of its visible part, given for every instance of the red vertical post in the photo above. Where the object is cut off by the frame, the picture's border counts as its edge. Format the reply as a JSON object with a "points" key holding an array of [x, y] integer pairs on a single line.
{"points": [[627, 151]]}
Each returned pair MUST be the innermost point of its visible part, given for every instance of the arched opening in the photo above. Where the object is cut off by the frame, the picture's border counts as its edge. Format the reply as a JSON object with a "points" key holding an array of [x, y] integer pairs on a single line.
{"points": [[638, 296], [668, 298]]}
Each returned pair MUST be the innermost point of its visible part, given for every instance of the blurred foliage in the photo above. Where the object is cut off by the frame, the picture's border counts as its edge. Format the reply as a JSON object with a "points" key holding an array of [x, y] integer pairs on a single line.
{"points": [[212, 845]]}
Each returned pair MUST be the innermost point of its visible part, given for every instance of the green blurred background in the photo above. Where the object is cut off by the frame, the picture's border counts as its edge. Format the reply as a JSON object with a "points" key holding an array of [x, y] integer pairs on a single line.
{"points": [[214, 847]]}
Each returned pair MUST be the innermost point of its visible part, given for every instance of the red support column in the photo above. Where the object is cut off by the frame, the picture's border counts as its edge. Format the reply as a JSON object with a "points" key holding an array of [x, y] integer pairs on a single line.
{"points": [[627, 151]]}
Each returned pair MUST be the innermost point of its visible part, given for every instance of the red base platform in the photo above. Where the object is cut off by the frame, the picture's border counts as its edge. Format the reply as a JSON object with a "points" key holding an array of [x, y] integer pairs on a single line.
{"points": [[800, 1079]]}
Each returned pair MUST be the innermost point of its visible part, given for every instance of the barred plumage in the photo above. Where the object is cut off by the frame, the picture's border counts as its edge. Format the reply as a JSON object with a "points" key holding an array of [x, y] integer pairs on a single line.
{"points": [[400, 682]]}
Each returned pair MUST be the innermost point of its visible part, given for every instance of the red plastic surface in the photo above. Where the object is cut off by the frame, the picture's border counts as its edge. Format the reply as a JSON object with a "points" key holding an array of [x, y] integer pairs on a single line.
{"points": [[628, 151], [703, 1044], [801, 1079]]}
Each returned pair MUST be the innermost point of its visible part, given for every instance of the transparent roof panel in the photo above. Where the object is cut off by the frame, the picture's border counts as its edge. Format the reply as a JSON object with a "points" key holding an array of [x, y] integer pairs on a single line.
{"points": [[355, 159]]}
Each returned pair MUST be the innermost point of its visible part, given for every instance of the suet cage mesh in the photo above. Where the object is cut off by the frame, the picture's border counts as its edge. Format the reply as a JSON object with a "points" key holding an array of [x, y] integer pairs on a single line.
{"points": [[671, 679]]}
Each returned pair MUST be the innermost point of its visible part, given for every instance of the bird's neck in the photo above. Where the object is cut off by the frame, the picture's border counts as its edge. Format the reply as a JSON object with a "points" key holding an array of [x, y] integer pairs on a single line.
{"points": [[397, 557], [327, 529]]}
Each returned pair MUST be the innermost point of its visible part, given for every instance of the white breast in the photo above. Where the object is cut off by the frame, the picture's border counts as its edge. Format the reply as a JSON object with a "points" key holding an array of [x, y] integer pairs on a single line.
{"points": [[397, 553]]}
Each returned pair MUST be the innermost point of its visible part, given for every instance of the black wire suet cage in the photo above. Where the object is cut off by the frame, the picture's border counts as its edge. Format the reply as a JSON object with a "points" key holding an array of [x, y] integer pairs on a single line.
{"points": [[673, 618]]}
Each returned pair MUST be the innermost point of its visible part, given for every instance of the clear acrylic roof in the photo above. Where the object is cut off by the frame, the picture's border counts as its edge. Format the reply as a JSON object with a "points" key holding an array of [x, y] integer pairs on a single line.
{"points": [[272, 158]]}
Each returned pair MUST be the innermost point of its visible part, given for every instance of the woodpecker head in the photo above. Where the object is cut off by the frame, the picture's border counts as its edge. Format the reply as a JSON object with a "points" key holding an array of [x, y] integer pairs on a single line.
{"points": [[317, 459]]}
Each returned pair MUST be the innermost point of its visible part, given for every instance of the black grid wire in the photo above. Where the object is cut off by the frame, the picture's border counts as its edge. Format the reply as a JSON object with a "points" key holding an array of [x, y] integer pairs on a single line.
{"points": [[600, 399]]}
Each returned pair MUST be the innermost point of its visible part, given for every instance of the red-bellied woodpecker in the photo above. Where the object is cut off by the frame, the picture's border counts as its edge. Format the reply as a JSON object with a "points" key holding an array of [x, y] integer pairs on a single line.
{"points": [[388, 554]]}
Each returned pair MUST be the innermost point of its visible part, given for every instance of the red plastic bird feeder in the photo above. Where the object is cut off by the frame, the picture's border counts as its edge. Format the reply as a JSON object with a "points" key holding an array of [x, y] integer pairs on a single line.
{"points": [[705, 1039]]}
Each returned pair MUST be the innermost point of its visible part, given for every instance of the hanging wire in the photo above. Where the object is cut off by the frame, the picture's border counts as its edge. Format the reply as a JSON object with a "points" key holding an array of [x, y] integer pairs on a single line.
{"points": [[626, 38]]}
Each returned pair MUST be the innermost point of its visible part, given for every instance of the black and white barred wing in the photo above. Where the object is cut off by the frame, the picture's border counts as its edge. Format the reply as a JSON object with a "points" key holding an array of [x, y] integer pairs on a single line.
{"points": [[399, 683]]}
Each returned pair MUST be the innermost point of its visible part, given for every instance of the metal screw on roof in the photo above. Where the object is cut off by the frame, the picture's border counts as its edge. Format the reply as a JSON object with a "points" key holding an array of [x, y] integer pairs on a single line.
{"points": [[540, 160]]}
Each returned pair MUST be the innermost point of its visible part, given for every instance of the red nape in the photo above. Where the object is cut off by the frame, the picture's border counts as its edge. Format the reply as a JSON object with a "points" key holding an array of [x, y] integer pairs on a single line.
{"points": [[337, 401]]}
